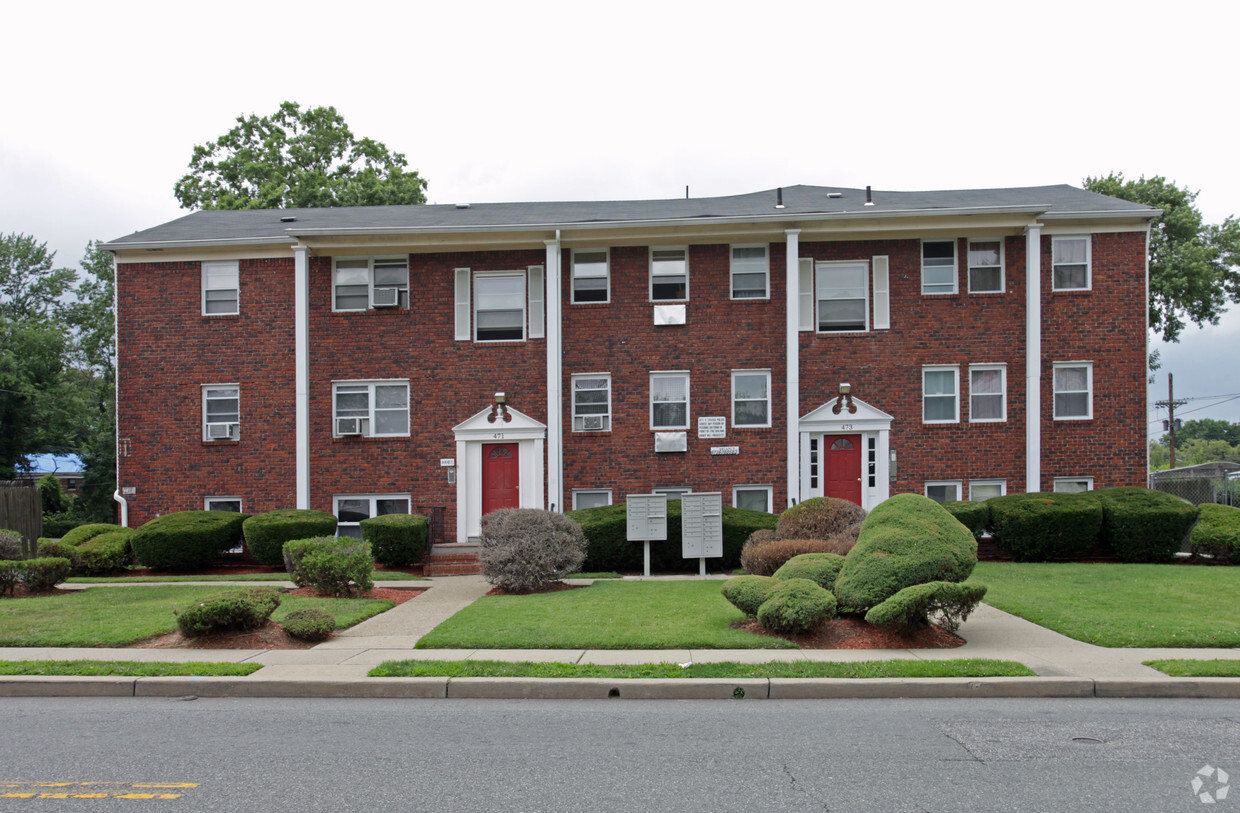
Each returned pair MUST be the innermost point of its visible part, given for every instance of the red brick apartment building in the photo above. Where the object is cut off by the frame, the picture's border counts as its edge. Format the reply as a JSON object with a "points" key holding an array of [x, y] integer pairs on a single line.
{"points": [[773, 346]]}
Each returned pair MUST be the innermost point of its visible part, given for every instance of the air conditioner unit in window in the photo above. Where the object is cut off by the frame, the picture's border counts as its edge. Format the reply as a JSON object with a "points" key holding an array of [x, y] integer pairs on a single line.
{"points": [[349, 426], [592, 423], [387, 297], [221, 431]]}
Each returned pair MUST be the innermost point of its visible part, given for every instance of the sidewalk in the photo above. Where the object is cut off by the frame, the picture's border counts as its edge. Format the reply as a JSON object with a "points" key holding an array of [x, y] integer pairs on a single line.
{"points": [[338, 667]]}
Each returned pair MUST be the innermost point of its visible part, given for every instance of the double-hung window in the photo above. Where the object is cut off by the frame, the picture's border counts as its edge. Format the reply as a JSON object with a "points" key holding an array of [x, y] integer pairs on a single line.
{"points": [[940, 394], [221, 412], [938, 266], [751, 398], [750, 272], [986, 266], [370, 408], [362, 283], [669, 274], [499, 307], [592, 402], [1074, 390], [590, 275], [1070, 263], [669, 400], [987, 392], [352, 509], [221, 288], [842, 295]]}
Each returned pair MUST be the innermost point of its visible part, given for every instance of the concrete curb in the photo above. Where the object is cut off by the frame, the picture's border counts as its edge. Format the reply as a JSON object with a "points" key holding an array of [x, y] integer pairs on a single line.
{"points": [[1224, 688], [816, 688]]}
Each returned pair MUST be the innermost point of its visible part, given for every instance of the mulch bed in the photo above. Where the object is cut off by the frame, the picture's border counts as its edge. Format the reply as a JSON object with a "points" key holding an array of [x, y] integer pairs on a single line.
{"points": [[848, 632]]}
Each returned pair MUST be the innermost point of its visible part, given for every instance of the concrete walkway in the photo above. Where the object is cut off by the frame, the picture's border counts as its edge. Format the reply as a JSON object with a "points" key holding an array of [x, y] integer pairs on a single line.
{"points": [[338, 667]]}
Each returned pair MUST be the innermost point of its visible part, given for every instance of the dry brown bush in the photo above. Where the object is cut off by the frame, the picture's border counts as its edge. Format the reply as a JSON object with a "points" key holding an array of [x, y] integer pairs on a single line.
{"points": [[819, 518], [763, 558]]}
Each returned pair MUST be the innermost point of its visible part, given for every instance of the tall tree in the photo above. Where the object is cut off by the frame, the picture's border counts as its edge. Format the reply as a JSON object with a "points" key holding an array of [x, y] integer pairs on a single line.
{"points": [[1193, 264], [30, 287], [1207, 429], [292, 159]]}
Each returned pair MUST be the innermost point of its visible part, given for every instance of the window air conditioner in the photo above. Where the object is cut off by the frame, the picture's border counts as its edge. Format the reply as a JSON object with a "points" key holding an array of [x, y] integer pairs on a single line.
{"points": [[387, 297], [220, 431], [592, 423], [349, 426]]}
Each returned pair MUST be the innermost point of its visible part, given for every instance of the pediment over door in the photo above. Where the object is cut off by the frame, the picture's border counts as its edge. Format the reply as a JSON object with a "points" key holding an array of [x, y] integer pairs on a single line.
{"points": [[866, 418], [510, 424]]}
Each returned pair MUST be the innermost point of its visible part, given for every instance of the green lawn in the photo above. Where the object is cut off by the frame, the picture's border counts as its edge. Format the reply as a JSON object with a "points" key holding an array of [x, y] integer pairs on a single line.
{"points": [[274, 576], [974, 667], [605, 615], [1191, 668], [1121, 605], [127, 668], [117, 616]]}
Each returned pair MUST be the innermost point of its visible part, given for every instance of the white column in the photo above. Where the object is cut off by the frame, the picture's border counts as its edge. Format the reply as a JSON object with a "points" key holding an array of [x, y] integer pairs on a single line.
{"points": [[792, 372], [555, 424], [301, 352], [1033, 357]]}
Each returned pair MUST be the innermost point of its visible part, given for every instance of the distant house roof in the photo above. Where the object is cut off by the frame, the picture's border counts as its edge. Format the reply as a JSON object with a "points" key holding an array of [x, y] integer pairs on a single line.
{"points": [[54, 464], [1215, 469]]}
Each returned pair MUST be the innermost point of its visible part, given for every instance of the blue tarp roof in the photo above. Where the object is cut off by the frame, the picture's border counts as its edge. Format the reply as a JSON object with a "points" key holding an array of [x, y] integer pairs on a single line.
{"points": [[54, 463]]}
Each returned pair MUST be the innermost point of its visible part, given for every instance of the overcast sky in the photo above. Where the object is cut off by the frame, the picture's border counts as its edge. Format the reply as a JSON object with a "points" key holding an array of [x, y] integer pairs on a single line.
{"points": [[104, 103]]}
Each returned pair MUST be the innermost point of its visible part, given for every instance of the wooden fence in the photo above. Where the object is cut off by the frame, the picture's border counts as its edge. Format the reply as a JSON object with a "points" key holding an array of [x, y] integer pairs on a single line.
{"points": [[21, 510]]}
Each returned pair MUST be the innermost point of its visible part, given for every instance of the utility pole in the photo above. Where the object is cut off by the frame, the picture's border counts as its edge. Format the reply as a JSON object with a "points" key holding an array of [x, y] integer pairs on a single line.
{"points": [[1171, 404]]}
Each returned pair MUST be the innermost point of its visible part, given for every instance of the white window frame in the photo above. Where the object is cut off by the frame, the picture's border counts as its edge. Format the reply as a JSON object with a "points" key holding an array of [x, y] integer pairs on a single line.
{"points": [[1002, 267], [1002, 393], [823, 266], [606, 492], [749, 266], [1089, 262], [207, 389], [1002, 484], [766, 374], [373, 499], [216, 268], [938, 288], [670, 374], [1088, 482], [957, 484], [1089, 390], [653, 275], [207, 503], [736, 490], [370, 386], [606, 252], [954, 369], [481, 276], [402, 297], [579, 418]]}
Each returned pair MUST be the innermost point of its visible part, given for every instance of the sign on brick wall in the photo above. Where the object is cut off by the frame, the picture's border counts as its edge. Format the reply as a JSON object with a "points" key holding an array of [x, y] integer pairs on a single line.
{"points": [[716, 427]]}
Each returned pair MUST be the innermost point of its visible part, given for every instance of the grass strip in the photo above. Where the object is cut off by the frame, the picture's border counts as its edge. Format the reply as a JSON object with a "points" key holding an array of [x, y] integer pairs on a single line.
{"points": [[974, 667], [1194, 668], [602, 574], [274, 576], [127, 668]]}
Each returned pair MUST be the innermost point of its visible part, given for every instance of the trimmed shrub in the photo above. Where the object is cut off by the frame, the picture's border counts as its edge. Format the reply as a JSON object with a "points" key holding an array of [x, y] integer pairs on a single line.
{"points": [[234, 610], [796, 605], [10, 545], [333, 566], [906, 540], [187, 540], [912, 607], [44, 574], [82, 533], [10, 576], [821, 568], [398, 540], [1144, 525], [309, 625], [106, 553], [524, 548], [265, 534], [51, 548], [747, 593], [820, 518], [973, 515], [764, 558], [1038, 527], [1217, 534]]}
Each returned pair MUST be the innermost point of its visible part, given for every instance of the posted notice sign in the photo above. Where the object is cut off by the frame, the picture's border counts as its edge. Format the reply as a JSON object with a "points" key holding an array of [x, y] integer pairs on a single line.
{"points": [[715, 427]]}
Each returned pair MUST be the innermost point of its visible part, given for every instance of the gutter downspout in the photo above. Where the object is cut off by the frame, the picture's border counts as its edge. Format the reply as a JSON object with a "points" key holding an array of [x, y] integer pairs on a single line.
{"points": [[301, 352], [555, 423], [116, 392], [1149, 378], [1033, 357], [116, 495], [792, 364]]}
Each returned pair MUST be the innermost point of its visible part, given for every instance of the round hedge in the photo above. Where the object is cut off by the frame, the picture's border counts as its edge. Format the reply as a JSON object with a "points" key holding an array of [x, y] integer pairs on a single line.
{"points": [[84, 533], [310, 624], [51, 548], [797, 605], [397, 540], [1216, 534], [819, 518], [106, 553], [748, 593], [1144, 525], [821, 568], [265, 534], [187, 540]]}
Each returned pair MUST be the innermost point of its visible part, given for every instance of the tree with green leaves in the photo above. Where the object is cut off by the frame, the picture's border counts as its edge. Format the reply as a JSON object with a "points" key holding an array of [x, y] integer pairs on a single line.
{"points": [[296, 158], [1193, 264]]}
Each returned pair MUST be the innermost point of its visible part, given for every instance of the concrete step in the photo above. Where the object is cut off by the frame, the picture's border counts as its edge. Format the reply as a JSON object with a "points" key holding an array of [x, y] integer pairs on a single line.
{"points": [[452, 564]]}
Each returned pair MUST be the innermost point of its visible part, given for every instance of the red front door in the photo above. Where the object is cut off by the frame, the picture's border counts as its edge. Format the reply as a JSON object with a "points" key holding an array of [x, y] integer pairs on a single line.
{"points": [[842, 458], [501, 477]]}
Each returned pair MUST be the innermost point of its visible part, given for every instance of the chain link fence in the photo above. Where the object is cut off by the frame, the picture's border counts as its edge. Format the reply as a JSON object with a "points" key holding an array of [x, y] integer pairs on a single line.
{"points": [[1197, 490]]}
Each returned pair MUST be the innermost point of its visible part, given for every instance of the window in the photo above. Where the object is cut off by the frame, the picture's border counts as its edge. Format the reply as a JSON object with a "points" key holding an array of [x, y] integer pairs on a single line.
{"points": [[221, 289], [750, 271], [221, 412], [938, 266], [842, 294], [752, 498], [986, 266], [982, 490], [943, 490], [351, 510], [591, 276], [939, 390], [591, 498], [987, 392], [669, 400], [1074, 384], [222, 504], [592, 402], [751, 398], [370, 409], [669, 274], [369, 282], [499, 307], [1070, 263], [1073, 485]]}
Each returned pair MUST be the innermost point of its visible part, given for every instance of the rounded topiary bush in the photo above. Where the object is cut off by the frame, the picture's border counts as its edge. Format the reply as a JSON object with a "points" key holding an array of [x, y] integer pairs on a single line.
{"points": [[821, 568], [524, 548], [1038, 527], [1144, 525], [265, 534], [913, 607], [188, 540], [83, 533], [397, 540], [106, 553], [333, 566], [51, 548], [796, 605], [1217, 534], [43, 574], [246, 609], [748, 593], [309, 625], [820, 518], [973, 515]]}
